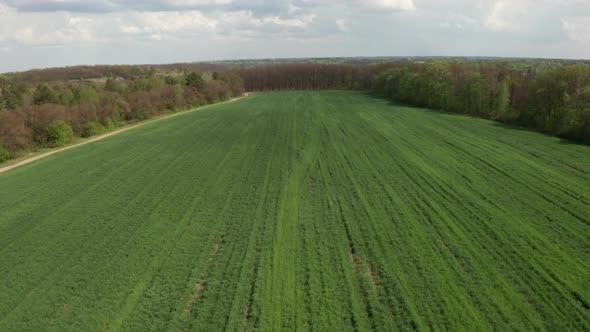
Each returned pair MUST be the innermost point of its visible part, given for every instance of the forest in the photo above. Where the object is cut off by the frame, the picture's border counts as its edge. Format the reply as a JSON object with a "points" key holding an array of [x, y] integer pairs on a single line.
{"points": [[46, 108], [554, 99], [49, 113], [550, 96]]}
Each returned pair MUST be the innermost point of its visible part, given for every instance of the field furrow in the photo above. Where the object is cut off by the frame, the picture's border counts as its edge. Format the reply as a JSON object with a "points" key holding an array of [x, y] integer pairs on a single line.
{"points": [[327, 211]]}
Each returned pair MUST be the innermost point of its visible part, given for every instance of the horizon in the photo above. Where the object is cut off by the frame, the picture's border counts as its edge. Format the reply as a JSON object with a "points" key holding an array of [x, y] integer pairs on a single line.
{"points": [[255, 165], [223, 61], [37, 34]]}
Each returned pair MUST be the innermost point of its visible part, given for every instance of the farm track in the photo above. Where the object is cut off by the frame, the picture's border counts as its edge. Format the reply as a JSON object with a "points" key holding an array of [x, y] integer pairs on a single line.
{"points": [[98, 138], [298, 211]]}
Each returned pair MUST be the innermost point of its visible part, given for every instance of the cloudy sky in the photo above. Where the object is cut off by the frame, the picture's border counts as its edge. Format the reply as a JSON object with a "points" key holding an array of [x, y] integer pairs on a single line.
{"points": [[48, 33]]}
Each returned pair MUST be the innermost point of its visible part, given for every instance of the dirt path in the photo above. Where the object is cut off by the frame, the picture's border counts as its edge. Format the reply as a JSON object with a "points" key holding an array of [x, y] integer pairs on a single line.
{"points": [[97, 138]]}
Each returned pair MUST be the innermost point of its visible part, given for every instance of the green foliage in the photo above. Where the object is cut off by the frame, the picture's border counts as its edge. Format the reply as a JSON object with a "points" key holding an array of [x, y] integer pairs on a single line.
{"points": [[194, 80], [88, 94], [503, 102], [324, 211], [110, 125], [112, 85], [59, 133], [93, 129], [172, 97], [67, 97], [44, 95], [4, 154], [234, 81], [155, 82], [144, 94], [550, 98], [11, 94], [207, 76], [171, 80]]}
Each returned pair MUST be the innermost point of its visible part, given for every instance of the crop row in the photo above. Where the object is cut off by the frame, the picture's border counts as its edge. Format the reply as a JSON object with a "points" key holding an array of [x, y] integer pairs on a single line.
{"points": [[298, 211]]}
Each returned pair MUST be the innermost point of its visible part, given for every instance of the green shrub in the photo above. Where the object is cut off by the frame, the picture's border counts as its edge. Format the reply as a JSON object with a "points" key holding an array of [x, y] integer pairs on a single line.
{"points": [[110, 125], [92, 129], [59, 133], [4, 154]]}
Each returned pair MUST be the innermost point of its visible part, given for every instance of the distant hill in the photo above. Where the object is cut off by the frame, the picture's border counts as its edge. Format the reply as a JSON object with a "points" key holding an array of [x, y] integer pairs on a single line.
{"points": [[99, 71], [130, 71]]}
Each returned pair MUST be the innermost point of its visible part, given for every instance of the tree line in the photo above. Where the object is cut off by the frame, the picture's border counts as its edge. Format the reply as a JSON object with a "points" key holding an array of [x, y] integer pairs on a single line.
{"points": [[307, 76], [51, 114], [551, 96], [554, 99], [546, 95], [100, 71]]}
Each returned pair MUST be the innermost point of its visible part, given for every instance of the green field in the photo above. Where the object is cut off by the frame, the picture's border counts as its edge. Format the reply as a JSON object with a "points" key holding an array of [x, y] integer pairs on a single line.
{"points": [[330, 211]]}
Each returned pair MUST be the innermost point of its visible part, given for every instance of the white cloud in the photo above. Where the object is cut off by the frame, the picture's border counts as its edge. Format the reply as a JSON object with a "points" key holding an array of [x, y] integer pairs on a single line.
{"points": [[342, 25], [172, 22], [243, 20], [297, 22], [505, 14], [96, 31], [456, 21], [188, 3], [246, 23], [577, 28], [131, 29], [388, 4], [65, 28], [43, 29]]}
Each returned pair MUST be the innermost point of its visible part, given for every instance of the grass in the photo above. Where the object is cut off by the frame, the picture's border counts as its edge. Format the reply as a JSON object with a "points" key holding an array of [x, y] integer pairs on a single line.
{"points": [[301, 210], [30, 154]]}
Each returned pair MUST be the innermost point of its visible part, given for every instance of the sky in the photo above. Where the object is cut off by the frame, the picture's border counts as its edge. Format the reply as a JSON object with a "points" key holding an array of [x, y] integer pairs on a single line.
{"points": [[50, 33]]}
